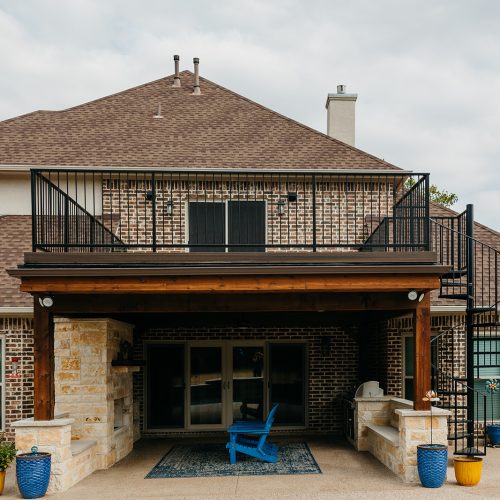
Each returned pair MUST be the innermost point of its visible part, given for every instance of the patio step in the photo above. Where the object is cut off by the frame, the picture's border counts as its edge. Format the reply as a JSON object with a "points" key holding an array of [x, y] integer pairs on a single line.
{"points": [[80, 445]]}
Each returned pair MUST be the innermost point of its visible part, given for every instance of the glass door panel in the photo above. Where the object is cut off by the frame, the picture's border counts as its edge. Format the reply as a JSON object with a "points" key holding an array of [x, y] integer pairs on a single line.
{"points": [[165, 374], [287, 382], [206, 385], [248, 383]]}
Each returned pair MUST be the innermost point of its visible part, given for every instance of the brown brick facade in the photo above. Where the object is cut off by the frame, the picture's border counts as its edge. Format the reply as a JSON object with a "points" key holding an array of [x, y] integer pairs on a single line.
{"points": [[18, 337], [347, 212]]}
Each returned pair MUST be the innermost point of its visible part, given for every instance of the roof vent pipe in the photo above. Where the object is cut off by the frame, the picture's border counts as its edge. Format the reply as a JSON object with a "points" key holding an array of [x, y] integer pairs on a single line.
{"points": [[340, 89], [177, 79], [196, 89]]}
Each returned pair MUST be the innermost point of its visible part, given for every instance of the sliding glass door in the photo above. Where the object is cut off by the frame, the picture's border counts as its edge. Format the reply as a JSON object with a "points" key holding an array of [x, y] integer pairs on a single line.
{"points": [[247, 382], [209, 385]]}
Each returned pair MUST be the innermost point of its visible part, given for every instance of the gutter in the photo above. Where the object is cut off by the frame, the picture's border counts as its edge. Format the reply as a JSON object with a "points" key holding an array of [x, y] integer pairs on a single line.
{"points": [[123, 168]]}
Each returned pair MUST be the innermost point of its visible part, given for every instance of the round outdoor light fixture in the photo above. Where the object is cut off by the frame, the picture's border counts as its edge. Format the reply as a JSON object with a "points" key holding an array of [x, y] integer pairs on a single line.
{"points": [[46, 301], [413, 295]]}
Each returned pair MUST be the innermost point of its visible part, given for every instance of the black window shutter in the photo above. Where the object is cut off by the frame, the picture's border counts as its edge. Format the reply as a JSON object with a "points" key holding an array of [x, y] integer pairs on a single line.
{"points": [[247, 225], [207, 226]]}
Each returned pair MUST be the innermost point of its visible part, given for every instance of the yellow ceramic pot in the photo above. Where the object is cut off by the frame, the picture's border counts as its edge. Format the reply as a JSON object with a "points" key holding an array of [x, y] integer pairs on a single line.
{"points": [[468, 470]]}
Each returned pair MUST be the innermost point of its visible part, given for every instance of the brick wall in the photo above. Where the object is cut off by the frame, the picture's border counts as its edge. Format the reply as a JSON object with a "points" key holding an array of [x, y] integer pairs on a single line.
{"points": [[18, 337], [332, 365], [451, 332], [347, 212]]}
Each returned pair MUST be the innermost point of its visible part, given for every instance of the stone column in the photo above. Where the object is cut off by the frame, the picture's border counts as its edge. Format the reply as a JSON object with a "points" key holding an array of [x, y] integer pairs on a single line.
{"points": [[88, 387]]}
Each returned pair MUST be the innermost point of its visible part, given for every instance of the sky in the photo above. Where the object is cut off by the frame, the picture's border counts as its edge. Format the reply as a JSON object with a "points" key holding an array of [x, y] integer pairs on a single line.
{"points": [[427, 72]]}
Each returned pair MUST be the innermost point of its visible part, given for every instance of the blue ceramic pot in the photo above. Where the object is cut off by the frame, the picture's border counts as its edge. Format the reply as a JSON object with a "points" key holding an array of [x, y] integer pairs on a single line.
{"points": [[33, 474], [432, 462], [493, 432]]}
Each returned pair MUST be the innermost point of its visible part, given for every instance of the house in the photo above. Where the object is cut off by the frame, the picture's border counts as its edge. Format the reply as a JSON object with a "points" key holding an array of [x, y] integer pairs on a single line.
{"points": [[192, 257]]}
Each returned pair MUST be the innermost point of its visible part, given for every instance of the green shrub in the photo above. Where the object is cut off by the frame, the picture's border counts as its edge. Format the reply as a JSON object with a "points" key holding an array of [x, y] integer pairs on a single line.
{"points": [[7, 453]]}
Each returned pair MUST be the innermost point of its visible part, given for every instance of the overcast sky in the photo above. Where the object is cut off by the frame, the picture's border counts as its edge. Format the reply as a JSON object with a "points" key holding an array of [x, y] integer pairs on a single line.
{"points": [[427, 72]]}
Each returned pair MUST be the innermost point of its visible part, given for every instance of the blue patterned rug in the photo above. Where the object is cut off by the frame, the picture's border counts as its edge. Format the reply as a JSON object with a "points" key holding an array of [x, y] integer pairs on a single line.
{"points": [[212, 459]]}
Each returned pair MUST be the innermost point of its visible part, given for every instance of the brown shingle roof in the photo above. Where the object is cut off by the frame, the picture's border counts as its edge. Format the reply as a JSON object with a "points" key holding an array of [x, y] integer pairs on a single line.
{"points": [[15, 239], [216, 129]]}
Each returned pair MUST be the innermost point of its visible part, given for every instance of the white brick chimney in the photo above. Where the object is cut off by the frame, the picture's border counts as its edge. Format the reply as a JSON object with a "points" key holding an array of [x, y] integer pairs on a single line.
{"points": [[341, 115]]}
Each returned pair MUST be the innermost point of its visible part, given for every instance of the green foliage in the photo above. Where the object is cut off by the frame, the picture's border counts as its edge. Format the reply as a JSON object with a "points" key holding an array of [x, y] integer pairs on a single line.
{"points": [[436, 195], [7, 453], [442, 196]]}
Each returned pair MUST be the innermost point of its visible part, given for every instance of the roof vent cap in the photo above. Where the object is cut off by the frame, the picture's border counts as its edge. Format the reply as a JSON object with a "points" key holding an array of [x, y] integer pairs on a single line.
{"points": [[341, 89]]}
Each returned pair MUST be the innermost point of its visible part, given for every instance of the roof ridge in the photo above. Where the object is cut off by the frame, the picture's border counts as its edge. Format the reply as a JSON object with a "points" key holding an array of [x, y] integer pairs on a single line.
{"points": [[114, 94], [310, 129]]}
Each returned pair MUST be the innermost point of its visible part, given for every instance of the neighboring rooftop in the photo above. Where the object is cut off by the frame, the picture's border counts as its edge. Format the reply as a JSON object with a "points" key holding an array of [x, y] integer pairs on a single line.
{"points": [[15, 239], [217, 129]]}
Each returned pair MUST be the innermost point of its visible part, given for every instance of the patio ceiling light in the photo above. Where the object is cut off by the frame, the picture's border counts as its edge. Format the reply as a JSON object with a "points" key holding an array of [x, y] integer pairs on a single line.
{"points": [[46, 301], [414, 295]]}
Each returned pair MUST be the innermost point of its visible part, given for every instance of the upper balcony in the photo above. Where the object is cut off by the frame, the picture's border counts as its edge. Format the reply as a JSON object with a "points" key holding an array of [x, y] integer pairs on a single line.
{"points": [[124, 210]]}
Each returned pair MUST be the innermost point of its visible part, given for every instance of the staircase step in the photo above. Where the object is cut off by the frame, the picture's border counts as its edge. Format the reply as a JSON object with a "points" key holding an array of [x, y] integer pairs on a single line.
{"points": [[455, 437], [478, 310], [495, 324], [454, 274], [446, 284], [456, 296], [471, 452]]}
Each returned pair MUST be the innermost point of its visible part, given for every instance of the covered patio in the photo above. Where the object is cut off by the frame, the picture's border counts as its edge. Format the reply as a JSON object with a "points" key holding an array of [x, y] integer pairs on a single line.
{"points": [[85, 403]]}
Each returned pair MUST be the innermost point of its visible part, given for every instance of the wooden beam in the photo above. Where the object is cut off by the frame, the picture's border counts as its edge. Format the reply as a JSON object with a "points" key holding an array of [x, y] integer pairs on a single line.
{"points": [[235, 302], [422, 364], [231, 283], [44, 362]]}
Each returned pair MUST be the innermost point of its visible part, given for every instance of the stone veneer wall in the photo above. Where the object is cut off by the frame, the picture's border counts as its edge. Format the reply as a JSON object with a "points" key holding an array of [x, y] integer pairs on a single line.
{"points": [[18, 337], [391, 430], [86, 385], [333, 370]]}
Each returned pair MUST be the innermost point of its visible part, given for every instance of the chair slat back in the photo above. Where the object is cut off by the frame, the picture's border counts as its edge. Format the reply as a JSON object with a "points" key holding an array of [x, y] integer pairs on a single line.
{"points": [[270, 417]]}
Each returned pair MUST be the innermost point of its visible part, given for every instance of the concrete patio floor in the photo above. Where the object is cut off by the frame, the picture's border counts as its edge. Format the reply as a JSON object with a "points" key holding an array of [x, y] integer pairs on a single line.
{"points": [[346, 474]]}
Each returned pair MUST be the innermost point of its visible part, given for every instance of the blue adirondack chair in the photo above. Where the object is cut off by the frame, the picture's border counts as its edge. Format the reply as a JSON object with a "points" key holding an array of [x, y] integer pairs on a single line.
{"points": [[240, 440]]}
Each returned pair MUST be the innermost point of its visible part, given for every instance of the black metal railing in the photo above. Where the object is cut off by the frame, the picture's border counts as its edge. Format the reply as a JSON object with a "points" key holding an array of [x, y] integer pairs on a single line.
{"points": [[60, 222], [469, 352], [179, 210]]}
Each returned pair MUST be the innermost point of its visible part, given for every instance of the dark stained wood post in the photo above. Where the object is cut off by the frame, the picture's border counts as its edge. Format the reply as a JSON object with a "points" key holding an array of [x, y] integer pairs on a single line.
{"points": [[422, 364], [44, 362]]}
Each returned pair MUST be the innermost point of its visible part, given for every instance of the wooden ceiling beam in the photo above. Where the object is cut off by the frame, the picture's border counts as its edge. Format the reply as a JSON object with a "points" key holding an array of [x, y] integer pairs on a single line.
{"points": [[231, 284]]}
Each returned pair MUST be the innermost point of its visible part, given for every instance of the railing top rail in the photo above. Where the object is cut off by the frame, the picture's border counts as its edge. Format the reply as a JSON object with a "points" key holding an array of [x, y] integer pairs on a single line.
{"points": [[463, 235]]}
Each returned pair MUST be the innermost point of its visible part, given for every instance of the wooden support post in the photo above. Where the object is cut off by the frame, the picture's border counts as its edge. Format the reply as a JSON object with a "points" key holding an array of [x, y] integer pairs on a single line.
{"points": [[44, 362], [422, 365]]}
